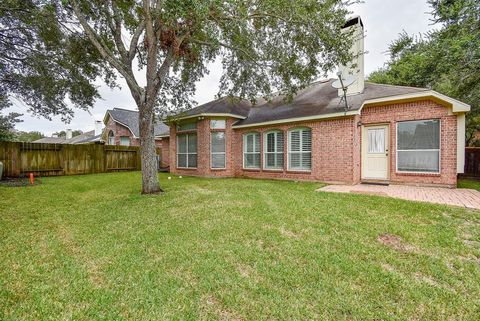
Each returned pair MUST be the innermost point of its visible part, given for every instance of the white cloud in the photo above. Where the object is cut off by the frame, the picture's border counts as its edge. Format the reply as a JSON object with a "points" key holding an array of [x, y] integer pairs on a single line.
{"points": [[383, 20]]}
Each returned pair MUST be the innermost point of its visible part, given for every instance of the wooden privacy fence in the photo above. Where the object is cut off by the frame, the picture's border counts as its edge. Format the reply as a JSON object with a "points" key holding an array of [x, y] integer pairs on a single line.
{"points": [[63, 159], [472, 162]]}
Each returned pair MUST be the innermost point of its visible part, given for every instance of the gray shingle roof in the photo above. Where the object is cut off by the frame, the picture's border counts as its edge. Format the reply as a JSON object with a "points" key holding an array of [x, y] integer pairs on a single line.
{"points": [[320, 98], [129, 118], [87, 137], [51, 140], [224, 105]]}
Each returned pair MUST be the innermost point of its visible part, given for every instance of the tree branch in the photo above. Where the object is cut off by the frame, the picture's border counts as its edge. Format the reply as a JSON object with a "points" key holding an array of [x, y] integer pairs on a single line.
{"points": [[134, 41], [117, 32], [105, 52]]}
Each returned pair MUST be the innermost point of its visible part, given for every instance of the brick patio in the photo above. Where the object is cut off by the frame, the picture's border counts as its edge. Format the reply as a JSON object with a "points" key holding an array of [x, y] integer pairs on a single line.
{"points": [[458, 197]]}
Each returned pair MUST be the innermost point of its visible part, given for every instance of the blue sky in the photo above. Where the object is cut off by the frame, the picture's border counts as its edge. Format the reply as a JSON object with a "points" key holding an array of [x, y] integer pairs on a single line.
{"points": [[383, 20]]}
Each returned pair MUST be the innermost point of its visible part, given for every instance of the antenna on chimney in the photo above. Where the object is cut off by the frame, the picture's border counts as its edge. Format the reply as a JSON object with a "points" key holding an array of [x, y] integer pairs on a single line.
{"points": [[343, 83]]}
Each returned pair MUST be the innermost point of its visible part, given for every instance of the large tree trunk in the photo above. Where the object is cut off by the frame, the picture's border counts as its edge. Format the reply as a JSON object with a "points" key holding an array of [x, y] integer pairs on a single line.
{"points": [[148, 153]]}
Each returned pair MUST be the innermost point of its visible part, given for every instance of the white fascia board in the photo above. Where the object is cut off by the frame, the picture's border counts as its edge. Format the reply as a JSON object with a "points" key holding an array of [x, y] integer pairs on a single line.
{"points": [[457, 106], [211, 115], [300, 119]]}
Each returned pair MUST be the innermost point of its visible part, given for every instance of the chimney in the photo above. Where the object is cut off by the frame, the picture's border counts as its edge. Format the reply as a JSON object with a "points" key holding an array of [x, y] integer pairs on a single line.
{"points": [[68, 134], [98, 127], [356, 66]]}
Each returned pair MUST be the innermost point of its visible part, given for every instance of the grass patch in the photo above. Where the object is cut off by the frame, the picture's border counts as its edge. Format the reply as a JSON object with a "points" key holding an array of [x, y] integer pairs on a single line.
{"points": [[91, 247], [469, 183]]}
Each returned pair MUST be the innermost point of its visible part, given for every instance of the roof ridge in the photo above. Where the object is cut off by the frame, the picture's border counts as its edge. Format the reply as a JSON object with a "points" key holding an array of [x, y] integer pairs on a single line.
{"points": [[389, 85], [124, 109]]}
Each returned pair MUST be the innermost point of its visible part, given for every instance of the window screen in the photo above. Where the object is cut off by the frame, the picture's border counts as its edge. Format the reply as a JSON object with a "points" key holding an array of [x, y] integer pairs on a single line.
{"points": [[187, 151], [418, 146]]}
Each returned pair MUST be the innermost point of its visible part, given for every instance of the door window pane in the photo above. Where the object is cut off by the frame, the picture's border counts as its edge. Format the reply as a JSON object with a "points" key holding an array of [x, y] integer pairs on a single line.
{"points": [[376, 140]]}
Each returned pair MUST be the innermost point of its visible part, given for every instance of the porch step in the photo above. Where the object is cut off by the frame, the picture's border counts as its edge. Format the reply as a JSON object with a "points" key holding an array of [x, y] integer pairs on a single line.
{"points": [[375, 182]]}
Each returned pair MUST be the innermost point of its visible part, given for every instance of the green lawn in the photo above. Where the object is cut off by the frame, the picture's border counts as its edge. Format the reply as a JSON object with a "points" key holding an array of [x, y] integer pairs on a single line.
{"points": [[91, 247], [469, 183]]}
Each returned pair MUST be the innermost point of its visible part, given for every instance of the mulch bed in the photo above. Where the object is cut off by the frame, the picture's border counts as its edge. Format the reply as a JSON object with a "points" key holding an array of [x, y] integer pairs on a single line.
{"points": [[18, 181]]}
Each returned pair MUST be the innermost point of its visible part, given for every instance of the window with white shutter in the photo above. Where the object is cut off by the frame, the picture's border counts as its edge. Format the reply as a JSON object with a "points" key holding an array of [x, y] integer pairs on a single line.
{"points": [[187, 151], [300, 149], [251, 150], [273, 150], [218, 150]]}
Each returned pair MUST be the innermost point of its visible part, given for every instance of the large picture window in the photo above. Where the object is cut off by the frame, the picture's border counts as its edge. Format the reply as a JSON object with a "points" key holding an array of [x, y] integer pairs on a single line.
{"points": [[300, 149], [251, 150], [187, 151], [418, 146], [273, 151], [218, 149]]}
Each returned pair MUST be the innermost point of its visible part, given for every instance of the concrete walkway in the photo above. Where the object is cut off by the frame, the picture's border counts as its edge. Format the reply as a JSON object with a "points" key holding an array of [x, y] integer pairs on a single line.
{"points": [[458, 197]]}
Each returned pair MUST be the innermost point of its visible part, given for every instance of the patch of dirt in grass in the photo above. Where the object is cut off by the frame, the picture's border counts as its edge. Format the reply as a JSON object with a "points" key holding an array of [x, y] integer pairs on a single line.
{"points": [[395, 242], [212, 305], [248, 272], [289, 233]]}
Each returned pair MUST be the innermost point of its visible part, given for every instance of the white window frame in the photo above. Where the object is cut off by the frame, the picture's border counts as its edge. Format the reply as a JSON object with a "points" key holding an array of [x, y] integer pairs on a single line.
{"points": [[419, 150], [213, 121], [266, 152], [187, 153], [245, 149], [218, 153], [289, 151]]}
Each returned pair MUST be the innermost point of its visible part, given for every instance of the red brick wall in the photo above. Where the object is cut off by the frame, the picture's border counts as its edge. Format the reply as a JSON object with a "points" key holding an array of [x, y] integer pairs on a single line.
{"points": [[332, 153], [427, 109], [336, 147], [203, 150]]}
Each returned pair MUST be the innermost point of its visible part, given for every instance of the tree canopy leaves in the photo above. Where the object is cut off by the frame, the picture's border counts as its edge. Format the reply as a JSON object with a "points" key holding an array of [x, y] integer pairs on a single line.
{"points": [[44, 61], [446, 60]]}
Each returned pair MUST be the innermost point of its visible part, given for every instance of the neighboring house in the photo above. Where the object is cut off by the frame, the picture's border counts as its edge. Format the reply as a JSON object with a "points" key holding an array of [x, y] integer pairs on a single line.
{"points": [[121, 128], [90, 137], [388, 134]]}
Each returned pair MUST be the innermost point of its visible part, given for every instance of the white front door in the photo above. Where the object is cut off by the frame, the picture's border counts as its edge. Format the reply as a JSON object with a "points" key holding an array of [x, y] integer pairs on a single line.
{"points": [[375, 161]]}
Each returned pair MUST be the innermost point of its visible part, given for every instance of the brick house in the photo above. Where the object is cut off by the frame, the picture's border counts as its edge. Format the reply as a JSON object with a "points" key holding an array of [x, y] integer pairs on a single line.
{"points": [[121, 128], [389, 134]]}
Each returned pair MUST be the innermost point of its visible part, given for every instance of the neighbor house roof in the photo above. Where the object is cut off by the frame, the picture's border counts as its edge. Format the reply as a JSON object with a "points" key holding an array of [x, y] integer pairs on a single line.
{"points": [[317, 100], [87, 137], [129, 119], [51, 140]]}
